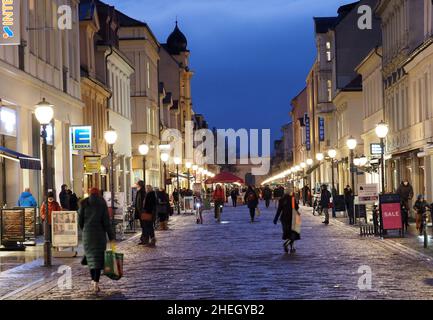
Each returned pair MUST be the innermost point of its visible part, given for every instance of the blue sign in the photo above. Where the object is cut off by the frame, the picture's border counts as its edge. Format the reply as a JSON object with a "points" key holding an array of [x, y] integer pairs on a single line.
{"points": [[81, 138], [322, 129], [307, 132]]}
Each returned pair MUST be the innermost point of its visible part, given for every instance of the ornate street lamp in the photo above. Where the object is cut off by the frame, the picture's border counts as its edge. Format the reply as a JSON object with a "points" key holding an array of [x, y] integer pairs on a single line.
{"points": [[110, 137], [143, 149], [164, 158], [320, 157], [177, 161], [352, 144], [382, 130], [44, 113]]}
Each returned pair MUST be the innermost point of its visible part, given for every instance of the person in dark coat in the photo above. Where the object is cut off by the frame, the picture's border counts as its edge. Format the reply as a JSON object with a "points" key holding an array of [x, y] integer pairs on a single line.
{"points": [[252, 201], [73, 201], [64, 197], [285, 213], [349, 198], [405, 190], [148, 227], [306, 195], [325, 202], [162, 208], [267, 196], [234, 193], [94, 220], [139, 199]]}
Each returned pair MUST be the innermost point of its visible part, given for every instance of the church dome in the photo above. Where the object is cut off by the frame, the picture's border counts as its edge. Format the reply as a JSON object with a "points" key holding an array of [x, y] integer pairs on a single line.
{"points": [[176, 41]]}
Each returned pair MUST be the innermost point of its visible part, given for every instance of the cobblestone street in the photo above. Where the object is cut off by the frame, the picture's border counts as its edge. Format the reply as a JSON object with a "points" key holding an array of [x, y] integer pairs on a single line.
{"points": [[239, 260]]}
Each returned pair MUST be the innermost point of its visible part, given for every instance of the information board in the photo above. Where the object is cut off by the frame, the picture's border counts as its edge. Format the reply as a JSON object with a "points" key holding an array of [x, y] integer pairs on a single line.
{"points": [[12, 226], [29, 221], [64, 229], [368, 193]]}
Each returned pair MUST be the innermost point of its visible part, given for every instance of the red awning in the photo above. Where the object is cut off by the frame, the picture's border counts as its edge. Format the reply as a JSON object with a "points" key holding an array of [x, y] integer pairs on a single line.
{"points": [[224, 177]]}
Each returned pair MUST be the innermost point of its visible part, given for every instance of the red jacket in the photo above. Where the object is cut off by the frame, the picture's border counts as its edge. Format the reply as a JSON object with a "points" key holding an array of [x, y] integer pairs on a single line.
{"points": [[219, 195], [52, 206]]}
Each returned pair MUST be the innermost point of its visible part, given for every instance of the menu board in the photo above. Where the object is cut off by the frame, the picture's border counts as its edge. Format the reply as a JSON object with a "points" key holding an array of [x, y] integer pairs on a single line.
{"points": [[12, 225], [64, 229], [29, 222]]}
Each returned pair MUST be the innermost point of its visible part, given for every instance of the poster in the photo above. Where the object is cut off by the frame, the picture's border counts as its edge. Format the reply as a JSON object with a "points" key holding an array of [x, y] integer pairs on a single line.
{"points": [[12, 225], [92, 164], [119, 203], [29, 222], [391, 212], [188, 204], [368, 193], [64, 229]]}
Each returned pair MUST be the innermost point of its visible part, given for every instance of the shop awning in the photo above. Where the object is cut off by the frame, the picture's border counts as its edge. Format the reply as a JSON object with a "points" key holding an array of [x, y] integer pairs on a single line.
{"points": [[26, 162], [225, 177], [313, 168]]}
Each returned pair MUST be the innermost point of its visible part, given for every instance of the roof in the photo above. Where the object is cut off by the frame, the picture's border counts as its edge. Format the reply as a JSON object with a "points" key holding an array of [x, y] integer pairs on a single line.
{"points": [[324, 24], [128, 22], [354, 85]]}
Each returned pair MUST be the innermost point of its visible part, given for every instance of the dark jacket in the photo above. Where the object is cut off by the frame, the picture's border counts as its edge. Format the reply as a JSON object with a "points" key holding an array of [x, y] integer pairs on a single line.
{"points": [[285, 214], [64, 199], [405, 192], [348, 195], [325, 199], [267, 193], [420, 206], [73, 202], [234, 193], [93, 219], [150, 203], [139, 202], [251, 199]]}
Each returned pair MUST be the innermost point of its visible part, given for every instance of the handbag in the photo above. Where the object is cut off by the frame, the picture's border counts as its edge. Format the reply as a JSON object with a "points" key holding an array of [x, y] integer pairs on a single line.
{"points": [[146, 216], [296, 218], [258, 213], [113, 265]]}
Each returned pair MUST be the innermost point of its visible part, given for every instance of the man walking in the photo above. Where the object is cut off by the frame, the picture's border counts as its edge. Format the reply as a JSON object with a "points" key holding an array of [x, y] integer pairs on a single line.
{"points": [[325, 202], [267, 195], [349, 201], [405, 190]]}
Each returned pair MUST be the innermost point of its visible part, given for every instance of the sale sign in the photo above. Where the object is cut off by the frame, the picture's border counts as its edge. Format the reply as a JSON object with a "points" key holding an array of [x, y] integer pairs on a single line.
{"points": [[391, 213]]}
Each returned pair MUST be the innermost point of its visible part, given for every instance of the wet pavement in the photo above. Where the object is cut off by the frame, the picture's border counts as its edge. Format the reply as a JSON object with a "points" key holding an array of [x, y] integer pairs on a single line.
{"points": [[239, 260]]}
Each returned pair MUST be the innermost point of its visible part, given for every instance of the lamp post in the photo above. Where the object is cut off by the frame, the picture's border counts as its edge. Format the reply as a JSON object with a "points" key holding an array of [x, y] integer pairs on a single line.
{"points": [[382, 130], [332, 155], [188, 166], [177, 162], [164, 158], [310, 163], [110, 137], [44, 113], [194, 169], [319, 157], [144, 151], [351, 144]]}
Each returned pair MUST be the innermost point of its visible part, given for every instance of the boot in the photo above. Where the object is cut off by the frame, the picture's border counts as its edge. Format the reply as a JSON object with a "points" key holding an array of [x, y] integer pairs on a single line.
{"points": [[152, 243]]}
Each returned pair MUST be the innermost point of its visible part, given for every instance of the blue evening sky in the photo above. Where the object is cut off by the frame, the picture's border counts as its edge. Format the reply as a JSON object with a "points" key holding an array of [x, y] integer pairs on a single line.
{"points": [[250, 57]]}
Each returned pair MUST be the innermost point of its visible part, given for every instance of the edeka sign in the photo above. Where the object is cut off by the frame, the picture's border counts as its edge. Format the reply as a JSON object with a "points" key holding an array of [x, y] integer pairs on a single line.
{"points": [[307, 132], [10, 26], [81, 138]]}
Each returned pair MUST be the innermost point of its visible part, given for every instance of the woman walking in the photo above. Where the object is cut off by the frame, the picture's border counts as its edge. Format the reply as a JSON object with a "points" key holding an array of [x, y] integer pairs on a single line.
{"points": [[287, 208], [219, 199], [148, 218], [252, 201], [94, 220]]}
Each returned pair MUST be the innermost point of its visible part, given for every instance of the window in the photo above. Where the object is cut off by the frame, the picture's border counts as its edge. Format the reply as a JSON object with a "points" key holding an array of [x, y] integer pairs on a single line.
{"points": [[328, 51], [148, 75], [329, 84]]}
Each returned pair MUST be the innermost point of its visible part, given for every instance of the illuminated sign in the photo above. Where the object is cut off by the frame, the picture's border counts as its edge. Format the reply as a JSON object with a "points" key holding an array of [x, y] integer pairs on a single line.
{"points": [[81, 138], [8, 122], [10, 22], [375, 149], [307, 132], [321, 129]]}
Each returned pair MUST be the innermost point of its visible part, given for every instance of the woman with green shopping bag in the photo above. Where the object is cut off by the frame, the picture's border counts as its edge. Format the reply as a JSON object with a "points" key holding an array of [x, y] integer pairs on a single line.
{"points": [[94, 220]]}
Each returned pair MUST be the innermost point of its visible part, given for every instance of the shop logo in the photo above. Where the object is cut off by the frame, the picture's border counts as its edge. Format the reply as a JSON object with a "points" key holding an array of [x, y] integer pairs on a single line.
{"points": [[7, 18], [365, 21], [365, 280]]}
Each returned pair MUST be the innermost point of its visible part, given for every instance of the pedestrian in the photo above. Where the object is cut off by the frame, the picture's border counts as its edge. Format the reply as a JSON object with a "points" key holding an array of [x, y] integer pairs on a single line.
{"points": [[325, 202], [64, 197], [234, 193], [252, 201], [53, 205], [305, 194], [26, 200], [148, 218], [421, 208], [405, 190], [139, 201], [267, 195], [73, 201], [277, 196], [162, 208], [287, 208], [349, 198], [94, 221], [176, 197], [218, 198]]}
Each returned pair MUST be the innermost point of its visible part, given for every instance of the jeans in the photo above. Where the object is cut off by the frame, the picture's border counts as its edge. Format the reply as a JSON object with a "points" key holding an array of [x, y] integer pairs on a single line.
{"points": [[350, 212], [95, 274], [267, 202], [148, 231], [235, 201]]}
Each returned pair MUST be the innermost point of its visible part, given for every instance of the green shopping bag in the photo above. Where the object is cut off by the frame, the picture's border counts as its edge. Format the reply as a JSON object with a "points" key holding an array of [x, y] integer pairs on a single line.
{"points": [[113, 265]]}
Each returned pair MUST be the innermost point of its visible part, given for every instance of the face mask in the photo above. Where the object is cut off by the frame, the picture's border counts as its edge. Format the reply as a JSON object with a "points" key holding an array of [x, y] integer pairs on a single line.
{"points": [[50, 200]]}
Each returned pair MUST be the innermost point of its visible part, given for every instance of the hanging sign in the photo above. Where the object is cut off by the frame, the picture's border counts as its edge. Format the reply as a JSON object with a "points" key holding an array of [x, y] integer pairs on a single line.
{"points": [[321, 129], [81, 138], [375, 149], [10, 26], [92, 164], [307, 132], [64, 229]]}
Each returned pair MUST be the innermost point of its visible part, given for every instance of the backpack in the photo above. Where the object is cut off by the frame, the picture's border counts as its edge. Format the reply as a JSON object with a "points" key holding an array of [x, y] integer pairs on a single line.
{"points": [[251, 197]]}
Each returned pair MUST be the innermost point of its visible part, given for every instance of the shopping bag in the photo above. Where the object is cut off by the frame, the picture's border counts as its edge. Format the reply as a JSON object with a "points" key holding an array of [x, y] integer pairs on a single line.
{"points": [[147, 217], [113, 265], [296, 221], [258, 213]]}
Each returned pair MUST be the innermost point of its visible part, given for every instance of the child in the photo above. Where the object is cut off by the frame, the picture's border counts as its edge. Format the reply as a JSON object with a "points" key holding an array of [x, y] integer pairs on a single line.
{"points": [[420, 208]]}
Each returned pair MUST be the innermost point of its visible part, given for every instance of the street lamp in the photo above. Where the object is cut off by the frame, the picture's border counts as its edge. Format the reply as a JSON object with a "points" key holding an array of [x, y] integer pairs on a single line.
{"points": [[110, 137], [310, 162], [188, 166], [195, 168], [44, 113], [177, 162], [382, 130], [351, 144], [164, 159], [144, 151]]}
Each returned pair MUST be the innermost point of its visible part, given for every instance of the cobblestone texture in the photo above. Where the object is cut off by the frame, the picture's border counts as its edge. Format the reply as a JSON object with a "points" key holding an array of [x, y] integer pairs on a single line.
{"points": [[239, 260]]}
